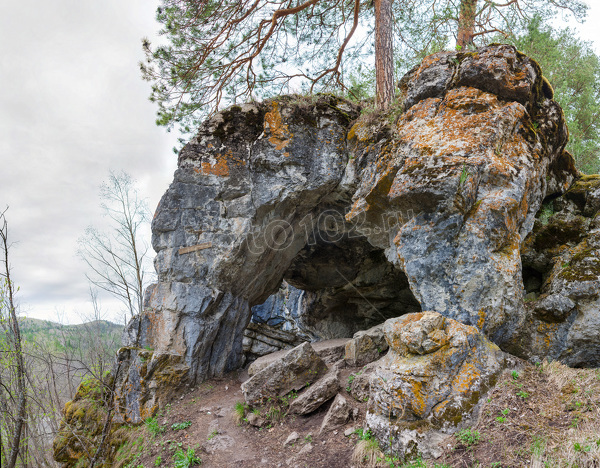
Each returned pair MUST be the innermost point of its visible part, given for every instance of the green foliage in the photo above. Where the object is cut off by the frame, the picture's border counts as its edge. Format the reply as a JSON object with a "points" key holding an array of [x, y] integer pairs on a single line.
{"points": [[158, 461], [468, 437], [546, 213], [514, 374], [573, 69], [217, 53], [239, 411], [130, 452], [502, 419], [58, 338], [180, 426], [463, 175], [185, 459], [523, 394], [153, 426], [363, 435]]}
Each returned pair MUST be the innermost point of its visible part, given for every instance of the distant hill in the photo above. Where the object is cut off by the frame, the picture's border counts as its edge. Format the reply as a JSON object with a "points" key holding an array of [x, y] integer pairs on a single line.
{"points": [[59, 337]]}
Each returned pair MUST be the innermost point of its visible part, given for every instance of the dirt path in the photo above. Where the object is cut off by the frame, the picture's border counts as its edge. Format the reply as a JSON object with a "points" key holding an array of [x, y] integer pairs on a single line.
{"points": [[222, 442]]}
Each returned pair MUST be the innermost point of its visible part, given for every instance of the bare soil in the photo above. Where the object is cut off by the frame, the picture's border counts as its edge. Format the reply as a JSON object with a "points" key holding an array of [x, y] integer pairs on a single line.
{"points": [[221, 441]]}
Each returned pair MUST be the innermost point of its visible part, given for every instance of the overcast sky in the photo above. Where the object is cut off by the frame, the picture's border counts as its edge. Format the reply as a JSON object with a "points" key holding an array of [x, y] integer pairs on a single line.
{"points": [[73, 107]]}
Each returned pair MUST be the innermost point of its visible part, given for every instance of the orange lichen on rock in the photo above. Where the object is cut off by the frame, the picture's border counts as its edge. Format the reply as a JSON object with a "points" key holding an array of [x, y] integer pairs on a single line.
{"points": [[280, 136], [436, 368], [219, 168], [219, 164]]}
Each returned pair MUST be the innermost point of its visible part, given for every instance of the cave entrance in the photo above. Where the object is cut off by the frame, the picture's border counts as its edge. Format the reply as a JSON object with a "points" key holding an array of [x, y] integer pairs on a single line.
{"points": [[336, 285]]}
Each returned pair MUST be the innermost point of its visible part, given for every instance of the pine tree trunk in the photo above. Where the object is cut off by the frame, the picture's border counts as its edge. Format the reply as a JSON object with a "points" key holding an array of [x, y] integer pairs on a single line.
{"points": [[384, 53], [466, 23]]}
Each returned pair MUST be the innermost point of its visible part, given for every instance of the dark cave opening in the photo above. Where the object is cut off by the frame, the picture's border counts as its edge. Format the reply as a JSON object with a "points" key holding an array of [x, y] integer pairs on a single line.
{"points": [[334, 287], [532, 280]]}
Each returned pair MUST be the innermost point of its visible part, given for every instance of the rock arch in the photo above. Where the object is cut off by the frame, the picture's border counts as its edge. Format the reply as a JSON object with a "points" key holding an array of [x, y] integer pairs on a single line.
{"points": [[432, 209]]}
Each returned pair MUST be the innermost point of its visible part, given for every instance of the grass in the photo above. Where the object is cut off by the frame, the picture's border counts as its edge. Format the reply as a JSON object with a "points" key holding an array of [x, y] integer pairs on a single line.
{"points": [[555, 423], [239, 411], [185, 459], [153, 427], [468, 437], [180, 426], [367, 453]]}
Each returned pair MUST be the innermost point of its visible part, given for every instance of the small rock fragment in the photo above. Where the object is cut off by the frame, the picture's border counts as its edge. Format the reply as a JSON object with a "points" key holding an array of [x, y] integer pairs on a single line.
{"points": [[337, 416]]}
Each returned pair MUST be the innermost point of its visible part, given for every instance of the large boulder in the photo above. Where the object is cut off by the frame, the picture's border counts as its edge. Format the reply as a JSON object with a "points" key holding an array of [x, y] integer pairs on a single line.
{"points": [[315, 395], [430, 381], [295, 370], [338, 415], [330, 351], [365, 346]]}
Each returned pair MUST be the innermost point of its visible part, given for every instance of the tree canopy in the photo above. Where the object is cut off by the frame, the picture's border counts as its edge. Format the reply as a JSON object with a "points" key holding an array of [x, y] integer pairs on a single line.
{"points": [[218, 52], [573, 69]]}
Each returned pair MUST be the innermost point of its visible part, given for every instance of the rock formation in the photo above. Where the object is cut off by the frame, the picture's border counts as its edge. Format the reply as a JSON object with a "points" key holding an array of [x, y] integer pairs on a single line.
{"points": [[432, 378], [561, 268], [371, 219]]}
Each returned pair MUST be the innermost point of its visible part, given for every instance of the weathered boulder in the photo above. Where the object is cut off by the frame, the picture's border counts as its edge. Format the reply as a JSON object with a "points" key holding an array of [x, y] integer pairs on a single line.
{"points": [[316, 394], [147, 383], [297, 368], [359, 383], [366, 346], [80, 430], [561, 267], [339, 414], [434, 374], [331, 351]]}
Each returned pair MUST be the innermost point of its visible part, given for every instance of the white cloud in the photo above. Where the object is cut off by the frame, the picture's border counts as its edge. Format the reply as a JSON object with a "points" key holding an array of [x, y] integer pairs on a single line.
{"points": [[72, 107]]}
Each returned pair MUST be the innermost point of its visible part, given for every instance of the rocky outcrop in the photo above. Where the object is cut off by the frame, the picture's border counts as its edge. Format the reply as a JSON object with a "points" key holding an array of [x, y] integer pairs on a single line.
{"points": [[330, 351], [561, 267], [463, 178], [147, 383], [286, 310], [436, 371], [261, 339], [368, 220]]}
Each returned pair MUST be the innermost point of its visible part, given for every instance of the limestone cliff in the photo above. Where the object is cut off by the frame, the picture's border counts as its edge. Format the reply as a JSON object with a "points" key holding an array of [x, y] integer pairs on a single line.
{"points": [[372, 218]]}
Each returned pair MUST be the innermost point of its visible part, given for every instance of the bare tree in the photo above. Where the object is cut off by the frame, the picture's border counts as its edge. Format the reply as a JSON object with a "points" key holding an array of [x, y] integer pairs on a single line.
{"points": [[13, 359], [117, 259]]}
